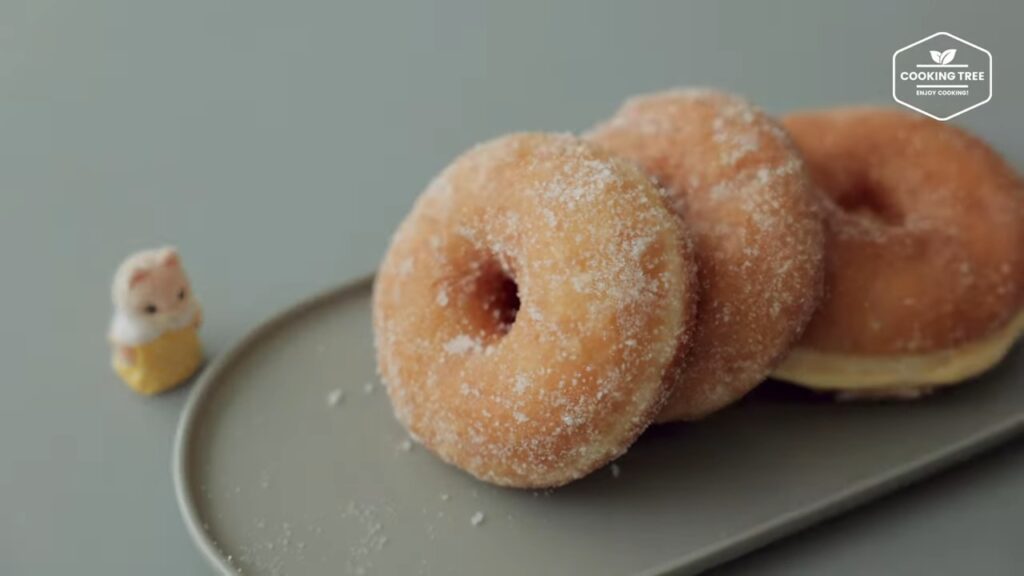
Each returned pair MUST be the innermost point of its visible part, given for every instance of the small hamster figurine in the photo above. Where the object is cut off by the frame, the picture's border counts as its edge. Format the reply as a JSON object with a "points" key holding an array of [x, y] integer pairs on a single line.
{"points": [[155, 328]]}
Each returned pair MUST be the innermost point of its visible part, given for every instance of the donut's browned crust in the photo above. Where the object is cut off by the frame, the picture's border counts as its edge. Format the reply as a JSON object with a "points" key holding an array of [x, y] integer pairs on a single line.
{"points": [[743, 193], [925, 238], [528, 309]]}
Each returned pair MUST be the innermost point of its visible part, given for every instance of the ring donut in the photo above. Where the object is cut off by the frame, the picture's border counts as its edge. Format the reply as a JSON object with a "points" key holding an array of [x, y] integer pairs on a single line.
{"points": [[529, 307], [741, 188], [925, 268]]}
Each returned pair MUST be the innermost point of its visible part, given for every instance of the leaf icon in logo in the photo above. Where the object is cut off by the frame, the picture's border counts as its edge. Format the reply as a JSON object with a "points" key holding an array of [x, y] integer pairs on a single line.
{"points": [[947, 56], [936, 56]]}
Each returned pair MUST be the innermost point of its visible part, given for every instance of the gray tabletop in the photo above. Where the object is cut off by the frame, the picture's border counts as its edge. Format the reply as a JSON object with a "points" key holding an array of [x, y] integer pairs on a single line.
{"points": [[278, 143]]}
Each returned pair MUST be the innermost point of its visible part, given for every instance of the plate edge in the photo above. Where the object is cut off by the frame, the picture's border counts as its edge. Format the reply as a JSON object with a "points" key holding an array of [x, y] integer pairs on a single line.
{"points": [[776, 529], [858, 494], [180, 455]]}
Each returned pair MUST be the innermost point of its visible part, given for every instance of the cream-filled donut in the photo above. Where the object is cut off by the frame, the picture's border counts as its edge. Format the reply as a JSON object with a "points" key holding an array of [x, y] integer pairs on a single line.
{"points": [[925, 266]]}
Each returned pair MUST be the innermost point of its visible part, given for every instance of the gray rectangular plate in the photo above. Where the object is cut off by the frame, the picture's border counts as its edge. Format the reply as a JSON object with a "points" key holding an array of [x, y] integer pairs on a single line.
{"points": [[273, 479]]}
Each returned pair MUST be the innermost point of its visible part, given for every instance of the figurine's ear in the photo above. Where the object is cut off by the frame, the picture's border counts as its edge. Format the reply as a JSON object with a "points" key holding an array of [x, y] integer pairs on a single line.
{"points": [[138, 275], [170, 258]]}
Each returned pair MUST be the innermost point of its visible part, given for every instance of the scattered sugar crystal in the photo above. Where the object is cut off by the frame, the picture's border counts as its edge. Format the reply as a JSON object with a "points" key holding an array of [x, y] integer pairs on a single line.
{"points": [[444, 497], [442, 297], [477, 518], [461, 344], [521, 383], [616, 471], [368, 388], [639, 245], [405, 445], [550, 217], [335, 397]]}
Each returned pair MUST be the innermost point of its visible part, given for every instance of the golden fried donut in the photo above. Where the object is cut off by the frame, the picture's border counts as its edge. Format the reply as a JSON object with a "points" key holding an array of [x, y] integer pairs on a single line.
{"points": [[925, 264], [741, 188], [528, 309]]}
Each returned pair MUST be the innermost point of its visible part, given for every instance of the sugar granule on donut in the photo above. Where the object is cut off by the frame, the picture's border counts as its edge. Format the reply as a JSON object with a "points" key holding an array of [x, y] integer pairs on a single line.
{"points": [[734, 177], [529, 307]]}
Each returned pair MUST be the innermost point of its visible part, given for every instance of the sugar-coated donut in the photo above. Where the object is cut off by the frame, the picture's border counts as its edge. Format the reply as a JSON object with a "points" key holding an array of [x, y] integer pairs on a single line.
{"points": [[741, 188], [925, 267], [529, 307]]}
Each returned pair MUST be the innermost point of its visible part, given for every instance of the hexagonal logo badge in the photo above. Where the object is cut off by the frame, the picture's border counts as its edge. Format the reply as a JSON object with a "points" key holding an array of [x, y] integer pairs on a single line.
{"points": [[942, 76]]}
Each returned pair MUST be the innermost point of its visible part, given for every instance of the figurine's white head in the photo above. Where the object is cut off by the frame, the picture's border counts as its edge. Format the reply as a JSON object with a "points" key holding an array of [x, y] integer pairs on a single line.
{"points": [[152, 291]]}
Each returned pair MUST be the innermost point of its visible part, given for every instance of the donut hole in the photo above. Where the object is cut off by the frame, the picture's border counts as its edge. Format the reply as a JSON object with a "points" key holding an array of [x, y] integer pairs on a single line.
{"points": [[496, 294], [870, 201]]}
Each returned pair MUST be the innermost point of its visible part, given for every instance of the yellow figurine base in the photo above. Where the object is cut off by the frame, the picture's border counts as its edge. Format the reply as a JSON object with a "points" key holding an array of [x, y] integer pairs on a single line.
{"points": [[163, 363]]}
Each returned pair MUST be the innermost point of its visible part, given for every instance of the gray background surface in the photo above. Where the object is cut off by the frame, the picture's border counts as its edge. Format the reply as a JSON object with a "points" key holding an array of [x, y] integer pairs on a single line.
{"points": [[278, 143]]}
